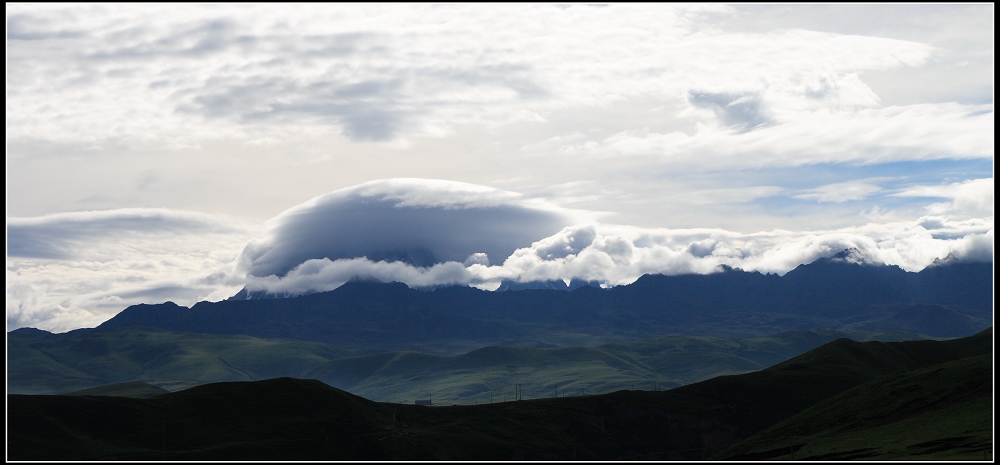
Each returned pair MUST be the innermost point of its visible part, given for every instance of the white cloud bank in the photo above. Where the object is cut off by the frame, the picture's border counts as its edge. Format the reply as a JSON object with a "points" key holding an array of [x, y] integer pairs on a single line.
{"points": [[283, 264], [972, 197], [860, 136], [610, 255]]}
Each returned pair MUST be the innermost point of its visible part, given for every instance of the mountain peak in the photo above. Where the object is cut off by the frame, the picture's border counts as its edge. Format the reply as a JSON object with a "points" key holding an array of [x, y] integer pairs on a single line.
{"points": [[30, 331], [855, 256], [849, 256]]}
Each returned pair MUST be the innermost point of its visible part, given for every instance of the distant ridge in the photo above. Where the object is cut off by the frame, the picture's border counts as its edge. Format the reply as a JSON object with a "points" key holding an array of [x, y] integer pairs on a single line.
{"points": [[30, 331], [556, 285], [838, 292]]}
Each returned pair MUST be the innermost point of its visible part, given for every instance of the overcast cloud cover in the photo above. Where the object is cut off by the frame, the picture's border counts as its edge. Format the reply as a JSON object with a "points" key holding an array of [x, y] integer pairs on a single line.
{"points": [[168, 152]]}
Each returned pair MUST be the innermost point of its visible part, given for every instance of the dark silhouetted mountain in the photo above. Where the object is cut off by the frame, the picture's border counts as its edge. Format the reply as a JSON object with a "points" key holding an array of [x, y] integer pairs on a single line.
{"points": [[294, 419], [837, 292], [30, 331]]}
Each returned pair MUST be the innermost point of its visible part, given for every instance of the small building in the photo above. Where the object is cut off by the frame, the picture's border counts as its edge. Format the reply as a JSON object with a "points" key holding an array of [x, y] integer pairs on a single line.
{"points": [[422, 402]]}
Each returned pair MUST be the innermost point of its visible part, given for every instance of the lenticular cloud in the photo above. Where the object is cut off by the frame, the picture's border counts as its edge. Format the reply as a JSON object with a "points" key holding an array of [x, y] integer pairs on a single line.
{"points": [[419, 222], [428, 233]]}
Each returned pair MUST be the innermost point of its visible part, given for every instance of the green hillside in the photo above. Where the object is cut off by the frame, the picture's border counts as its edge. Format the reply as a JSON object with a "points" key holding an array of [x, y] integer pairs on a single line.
{"points": [[492, 372], [44, 363], [941, 412]]}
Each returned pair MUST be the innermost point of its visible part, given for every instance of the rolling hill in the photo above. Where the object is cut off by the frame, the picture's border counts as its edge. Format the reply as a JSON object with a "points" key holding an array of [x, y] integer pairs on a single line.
{"points": [[45, 363], [290, 419], [940, 412]]}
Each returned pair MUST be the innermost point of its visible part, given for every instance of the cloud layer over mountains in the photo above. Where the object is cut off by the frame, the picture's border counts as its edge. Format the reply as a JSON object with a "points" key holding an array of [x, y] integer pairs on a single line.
{"points": [[69, 270], [303, 251]]}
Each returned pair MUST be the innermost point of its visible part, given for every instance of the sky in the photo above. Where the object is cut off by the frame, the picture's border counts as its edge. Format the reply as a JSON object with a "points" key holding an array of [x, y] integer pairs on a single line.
{"points": [[183, 152]]}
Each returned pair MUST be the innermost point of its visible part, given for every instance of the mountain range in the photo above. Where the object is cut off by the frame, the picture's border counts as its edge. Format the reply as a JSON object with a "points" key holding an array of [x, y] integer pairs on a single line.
{"points": [[946, 300]]}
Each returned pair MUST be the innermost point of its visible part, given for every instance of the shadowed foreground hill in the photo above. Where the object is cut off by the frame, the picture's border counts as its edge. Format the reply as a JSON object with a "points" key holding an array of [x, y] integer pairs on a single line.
{"points": [[290, 419], [940, 412]]}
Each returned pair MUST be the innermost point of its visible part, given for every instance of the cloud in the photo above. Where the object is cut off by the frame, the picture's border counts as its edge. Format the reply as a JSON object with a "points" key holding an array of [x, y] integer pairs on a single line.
{"points": [[742, 112], [876, 213], [974, 248], [78, 269], [70, 235], [71, 270], [862, 136], [730, 194], [841, 191], [417, 221], [606, 253], [316, 275], [974, 196], [667, 115], [616, 260], [302, 101], [384, 74]]}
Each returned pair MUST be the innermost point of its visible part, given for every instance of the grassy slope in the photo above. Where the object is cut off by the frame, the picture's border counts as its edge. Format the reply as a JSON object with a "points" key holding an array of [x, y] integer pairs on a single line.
{"points": [[48, 363], [287, 419], [666, 362], [941, 412], [45, 363]]}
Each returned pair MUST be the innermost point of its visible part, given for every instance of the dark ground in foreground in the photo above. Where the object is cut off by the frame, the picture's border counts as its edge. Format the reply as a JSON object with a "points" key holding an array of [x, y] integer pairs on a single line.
{"points": [[294, 419]]}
